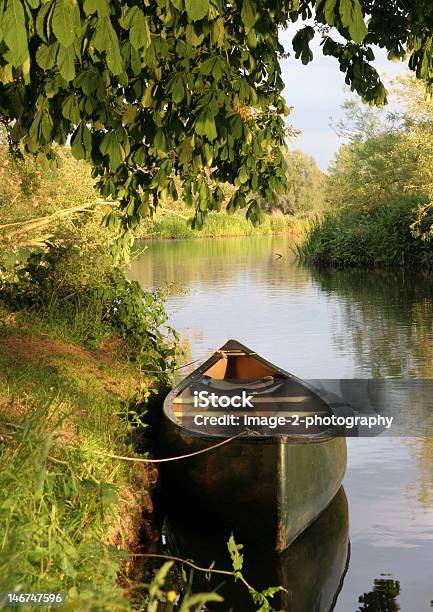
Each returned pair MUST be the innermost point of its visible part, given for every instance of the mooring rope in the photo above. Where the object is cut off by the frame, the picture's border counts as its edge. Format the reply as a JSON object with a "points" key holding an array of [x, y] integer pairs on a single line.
{"points": [[166, 459]]}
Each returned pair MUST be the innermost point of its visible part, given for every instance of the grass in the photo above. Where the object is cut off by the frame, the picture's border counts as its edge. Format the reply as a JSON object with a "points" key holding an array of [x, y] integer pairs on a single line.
{"points": [[381, 237], [68, 515], [219, 225]]}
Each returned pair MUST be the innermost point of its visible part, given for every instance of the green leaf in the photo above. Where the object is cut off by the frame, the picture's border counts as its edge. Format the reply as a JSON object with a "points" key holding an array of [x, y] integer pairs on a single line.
{"points": [[330, 12], [137, 24], [111, 146], [196, 9], [77, 147], [301, 42], [100, 6], [81, 142], [248, 14], [66, 21], [66, 62], [105, 39], [159, 578], [15, 33], [353, 19], [70, 109], [46, 55], [234, 550], [184, 150], [42, 21], [205, 124], [109, 494], [177, 89], [196, 601], [159, 141], [255, 214]]}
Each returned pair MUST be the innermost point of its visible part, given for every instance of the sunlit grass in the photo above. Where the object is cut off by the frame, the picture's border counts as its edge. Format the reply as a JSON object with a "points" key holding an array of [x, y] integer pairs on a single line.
{"points": [[66, 511], [220, 225]]}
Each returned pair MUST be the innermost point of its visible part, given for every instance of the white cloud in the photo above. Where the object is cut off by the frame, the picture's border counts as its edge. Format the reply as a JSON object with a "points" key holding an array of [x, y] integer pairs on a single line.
{"points": [[317, 92]]}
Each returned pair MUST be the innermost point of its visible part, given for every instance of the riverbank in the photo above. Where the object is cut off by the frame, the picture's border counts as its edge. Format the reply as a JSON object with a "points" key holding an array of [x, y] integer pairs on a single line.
{"points": [[172, 224], [81, 350], [381, 237], [70, 515]]}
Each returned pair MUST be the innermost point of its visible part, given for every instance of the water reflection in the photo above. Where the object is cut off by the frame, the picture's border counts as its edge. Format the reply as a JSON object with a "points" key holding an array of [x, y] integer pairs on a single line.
{"points": [[312, 569], [382, 598], [225, 262], [388, 316]]}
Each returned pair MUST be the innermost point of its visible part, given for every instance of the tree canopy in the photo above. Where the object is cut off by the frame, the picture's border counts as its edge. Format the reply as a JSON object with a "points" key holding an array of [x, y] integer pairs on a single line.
{"points": [[146, 90]]}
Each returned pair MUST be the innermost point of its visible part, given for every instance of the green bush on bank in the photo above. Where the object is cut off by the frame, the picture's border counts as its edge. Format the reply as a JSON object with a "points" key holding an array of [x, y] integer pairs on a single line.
{"points": [[382, 236], [89, 300]]}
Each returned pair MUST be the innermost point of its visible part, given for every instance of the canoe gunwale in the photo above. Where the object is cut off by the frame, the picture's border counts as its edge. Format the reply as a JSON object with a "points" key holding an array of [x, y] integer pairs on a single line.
{"points": [[337, 409]]}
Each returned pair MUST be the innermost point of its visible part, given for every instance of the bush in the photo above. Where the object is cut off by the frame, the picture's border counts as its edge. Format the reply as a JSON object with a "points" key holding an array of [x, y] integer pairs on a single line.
{"points": [[378, 237], [92, 301]]}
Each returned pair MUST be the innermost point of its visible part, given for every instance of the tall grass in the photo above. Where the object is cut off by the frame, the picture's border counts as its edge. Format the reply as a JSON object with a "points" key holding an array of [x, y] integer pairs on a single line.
{"points": [[66, 510], [218, 225], [378, 237]]}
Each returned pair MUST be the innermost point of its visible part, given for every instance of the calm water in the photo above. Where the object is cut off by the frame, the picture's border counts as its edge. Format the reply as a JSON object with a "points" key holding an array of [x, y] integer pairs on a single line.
{"points": [[324, 325]]}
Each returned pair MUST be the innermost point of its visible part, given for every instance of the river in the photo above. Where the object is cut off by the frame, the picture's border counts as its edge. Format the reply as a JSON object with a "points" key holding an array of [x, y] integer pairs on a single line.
{"points": [[341, 324]]}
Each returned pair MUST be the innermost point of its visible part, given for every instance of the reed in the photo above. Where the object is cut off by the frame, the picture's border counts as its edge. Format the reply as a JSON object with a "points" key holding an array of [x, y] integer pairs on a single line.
{"points": [[218, 225]]}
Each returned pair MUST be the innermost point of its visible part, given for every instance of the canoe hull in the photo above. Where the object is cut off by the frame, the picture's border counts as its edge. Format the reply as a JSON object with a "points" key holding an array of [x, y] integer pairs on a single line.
{"points": [[266, 490], [311, 571]]}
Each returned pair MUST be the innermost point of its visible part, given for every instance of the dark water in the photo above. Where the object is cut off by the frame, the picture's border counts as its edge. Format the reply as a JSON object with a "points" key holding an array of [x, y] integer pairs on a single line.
{"points": [[323, 325]]}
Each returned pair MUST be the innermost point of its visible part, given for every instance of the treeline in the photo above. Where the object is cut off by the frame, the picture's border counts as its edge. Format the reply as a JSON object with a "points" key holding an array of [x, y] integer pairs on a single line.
{"points": [[39, 204], [379, 190]]}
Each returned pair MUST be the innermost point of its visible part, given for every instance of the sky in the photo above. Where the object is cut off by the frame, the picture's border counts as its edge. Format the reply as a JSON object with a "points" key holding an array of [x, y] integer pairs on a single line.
{"points": [[317, 92]]}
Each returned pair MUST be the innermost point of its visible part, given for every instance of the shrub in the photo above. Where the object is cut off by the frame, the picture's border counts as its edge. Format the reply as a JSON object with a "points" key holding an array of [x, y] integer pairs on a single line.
{"points": [[378, 237], [93, 301]]}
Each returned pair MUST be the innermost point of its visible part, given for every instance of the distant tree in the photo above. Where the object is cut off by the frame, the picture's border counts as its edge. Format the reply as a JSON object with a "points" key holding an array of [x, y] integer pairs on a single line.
{"points": [[383, 153], [148, 89], [305, 191]]}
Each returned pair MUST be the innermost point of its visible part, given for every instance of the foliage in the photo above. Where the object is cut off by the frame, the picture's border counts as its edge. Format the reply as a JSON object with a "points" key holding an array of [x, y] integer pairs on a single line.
{"points": [[386, 156], [191, 88], [376, 165], [58, 205], [52, 516], [305, 192], [172, 226], [378, 237], [383, 596], [95, 301], [261, 598], [24, 182], [68, 516], [380, 187]]}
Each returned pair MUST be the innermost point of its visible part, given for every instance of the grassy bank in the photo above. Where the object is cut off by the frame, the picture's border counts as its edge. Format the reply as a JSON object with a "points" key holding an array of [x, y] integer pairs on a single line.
{"points": [[382, 236], [218, 225], [68, 512], [80, 349]]}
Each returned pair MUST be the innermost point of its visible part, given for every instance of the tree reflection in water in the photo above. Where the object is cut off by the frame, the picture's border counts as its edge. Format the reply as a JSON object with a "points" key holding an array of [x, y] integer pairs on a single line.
{"points": [[382, 598]]}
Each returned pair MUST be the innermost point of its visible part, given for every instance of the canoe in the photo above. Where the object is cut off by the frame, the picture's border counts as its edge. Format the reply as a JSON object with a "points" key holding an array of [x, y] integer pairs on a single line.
{"points": [[311, 570], [266, 487]]}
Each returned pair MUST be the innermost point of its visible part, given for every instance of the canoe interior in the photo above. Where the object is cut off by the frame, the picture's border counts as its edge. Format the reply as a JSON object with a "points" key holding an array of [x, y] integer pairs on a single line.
{"points": [[239, 367]]}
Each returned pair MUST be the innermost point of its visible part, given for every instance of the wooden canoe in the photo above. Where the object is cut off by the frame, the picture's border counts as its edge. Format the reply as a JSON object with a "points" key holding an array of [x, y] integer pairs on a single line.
{"points": [[267, 489]]}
